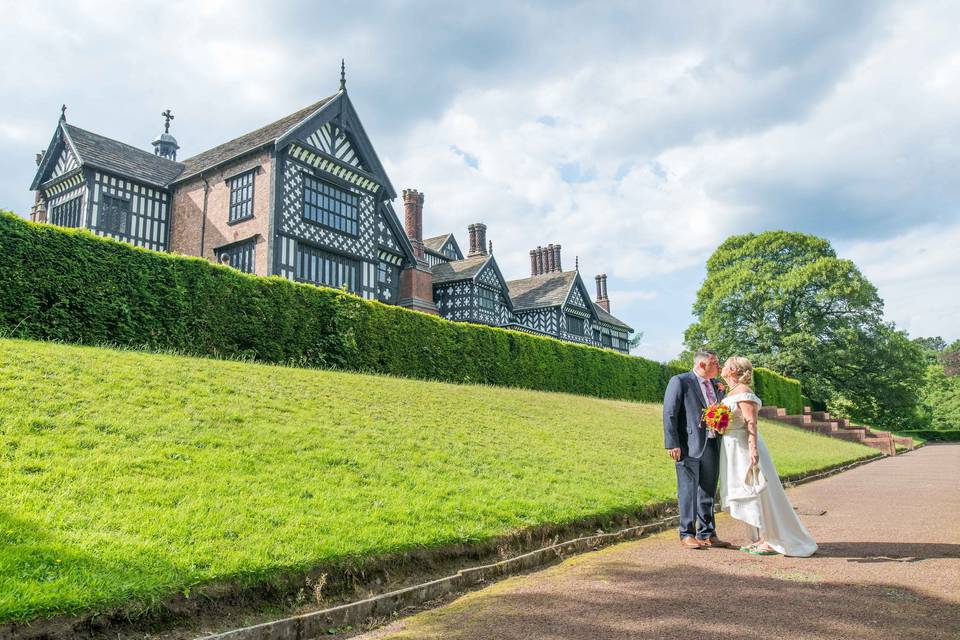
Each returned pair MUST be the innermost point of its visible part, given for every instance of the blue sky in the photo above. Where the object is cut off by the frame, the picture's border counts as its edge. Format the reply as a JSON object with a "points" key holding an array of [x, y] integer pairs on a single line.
{"points": [[637, 135]]}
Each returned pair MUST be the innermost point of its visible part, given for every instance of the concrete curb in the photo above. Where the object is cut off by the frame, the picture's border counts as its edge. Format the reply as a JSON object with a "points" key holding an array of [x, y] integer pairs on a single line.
{"points": [[318, 623]]}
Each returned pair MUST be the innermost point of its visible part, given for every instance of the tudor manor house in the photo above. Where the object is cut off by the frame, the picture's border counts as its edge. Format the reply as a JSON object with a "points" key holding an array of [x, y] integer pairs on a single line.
{"points": [[306, 198]]}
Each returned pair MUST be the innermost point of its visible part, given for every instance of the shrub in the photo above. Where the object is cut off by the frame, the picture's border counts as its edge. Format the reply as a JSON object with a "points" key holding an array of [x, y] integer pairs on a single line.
{"points": [[70, 286], [777, 390]]}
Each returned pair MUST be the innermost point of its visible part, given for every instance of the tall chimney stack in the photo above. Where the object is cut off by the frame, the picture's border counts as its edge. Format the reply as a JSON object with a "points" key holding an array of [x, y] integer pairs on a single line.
{"points": [[416, 280], [472, 232], [478, 239], [548, 259], [533, 262], [556, 257], [413, 219], [539, 261], [602, 299]]}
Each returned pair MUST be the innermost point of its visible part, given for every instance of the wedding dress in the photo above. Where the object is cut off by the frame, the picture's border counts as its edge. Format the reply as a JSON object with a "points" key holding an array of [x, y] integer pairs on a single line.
{"points": [[758, 500]]}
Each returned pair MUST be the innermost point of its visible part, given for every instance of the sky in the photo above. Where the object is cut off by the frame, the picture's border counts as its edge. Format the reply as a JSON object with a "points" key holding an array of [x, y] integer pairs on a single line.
{"points": [[636, 135]]}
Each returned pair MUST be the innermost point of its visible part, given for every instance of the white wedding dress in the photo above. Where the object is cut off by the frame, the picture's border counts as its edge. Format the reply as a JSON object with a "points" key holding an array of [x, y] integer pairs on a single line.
{"points": [[761, 505]]}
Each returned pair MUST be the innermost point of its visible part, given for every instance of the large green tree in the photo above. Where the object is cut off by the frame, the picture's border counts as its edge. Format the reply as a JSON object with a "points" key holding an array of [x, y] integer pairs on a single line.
{"points": [[941, 390], [786, 301]]}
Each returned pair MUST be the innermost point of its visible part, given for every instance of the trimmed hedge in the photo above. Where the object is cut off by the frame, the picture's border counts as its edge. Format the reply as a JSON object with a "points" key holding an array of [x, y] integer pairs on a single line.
{"points": [[71, 286], [932, 435], [777, 390]]}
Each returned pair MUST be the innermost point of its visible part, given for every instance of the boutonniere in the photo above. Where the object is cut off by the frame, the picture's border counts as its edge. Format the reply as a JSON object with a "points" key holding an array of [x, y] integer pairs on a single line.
{"points": [[722, 388]]}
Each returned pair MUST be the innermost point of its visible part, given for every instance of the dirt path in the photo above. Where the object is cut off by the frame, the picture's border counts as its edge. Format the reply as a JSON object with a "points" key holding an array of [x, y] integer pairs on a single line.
{"points": [[888, 567]]}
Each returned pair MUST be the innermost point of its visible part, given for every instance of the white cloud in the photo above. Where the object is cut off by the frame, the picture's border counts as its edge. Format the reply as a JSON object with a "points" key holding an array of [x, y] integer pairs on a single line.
{"points": [[918, 276]]}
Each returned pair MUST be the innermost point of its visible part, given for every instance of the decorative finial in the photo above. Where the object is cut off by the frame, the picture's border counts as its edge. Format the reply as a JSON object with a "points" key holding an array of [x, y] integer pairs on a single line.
{"points": [[343, 75], [168, 116], [576, 262], [63, 113], [490, 243]]}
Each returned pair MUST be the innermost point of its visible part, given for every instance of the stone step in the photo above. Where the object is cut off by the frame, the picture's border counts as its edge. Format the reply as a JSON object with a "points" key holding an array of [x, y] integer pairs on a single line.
{"points": [[844, 423], [823, 416], [849, 436], [883, 444], [807, 411], [904, 442], [772, 412], [797, 421]]}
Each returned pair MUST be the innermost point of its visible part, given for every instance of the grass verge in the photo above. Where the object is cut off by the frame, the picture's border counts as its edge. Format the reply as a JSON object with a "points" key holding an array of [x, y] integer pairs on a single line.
{"points": [[130, 478]]}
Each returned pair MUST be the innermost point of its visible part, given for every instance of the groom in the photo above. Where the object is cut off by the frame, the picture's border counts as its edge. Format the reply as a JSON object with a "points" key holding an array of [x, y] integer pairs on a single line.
{"points": [[694, 449]]}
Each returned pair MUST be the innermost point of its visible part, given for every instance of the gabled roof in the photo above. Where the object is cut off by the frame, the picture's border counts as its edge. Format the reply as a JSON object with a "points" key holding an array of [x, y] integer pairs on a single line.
{"points": [[455, 270], [106, 154], [250, 141], [469, 269], [609, 318], [435, 245], [547, 290]]}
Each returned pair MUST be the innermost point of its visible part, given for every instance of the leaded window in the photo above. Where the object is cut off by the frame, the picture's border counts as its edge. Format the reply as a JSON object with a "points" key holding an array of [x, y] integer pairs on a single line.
{"points": [[241, 256], [575, 325], [330, 206], [114, 214], [67, 214], [241, 196], [487, 298], [327, 269]]}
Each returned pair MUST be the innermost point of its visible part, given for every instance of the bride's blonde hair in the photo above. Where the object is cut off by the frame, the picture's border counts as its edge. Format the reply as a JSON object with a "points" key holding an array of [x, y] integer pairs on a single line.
{"points": [[743, 367]]}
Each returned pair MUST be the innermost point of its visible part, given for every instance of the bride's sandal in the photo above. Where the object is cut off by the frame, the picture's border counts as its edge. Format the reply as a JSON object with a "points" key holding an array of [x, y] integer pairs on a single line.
{"points": [[764, 550]]}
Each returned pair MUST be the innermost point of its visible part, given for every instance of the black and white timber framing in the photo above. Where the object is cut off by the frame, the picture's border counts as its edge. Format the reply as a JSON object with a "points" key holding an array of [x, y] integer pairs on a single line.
{"points": [[331, 220]]}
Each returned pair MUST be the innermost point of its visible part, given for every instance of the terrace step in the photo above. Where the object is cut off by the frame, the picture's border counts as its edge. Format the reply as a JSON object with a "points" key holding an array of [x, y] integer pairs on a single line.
{"points": [[840, 428]]}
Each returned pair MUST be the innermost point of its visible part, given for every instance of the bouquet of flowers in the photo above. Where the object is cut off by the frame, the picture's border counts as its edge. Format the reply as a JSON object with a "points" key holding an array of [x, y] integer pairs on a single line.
{"points": [[717, 417]]}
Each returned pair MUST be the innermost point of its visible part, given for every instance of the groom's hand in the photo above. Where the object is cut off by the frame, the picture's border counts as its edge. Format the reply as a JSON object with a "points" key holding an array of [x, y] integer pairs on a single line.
{"points": [[675, 454]]}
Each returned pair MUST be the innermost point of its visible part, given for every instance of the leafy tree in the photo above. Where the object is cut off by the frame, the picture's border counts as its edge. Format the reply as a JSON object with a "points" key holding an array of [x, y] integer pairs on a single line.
{"points": [[786, 301], [941, 397]]}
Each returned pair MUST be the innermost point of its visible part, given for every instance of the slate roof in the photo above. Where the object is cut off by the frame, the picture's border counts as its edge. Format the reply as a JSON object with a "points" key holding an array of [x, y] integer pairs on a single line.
{"points": [[609, 318], [436, 243], [547, 290], [458, 269], [248, 142], [124, 159]]}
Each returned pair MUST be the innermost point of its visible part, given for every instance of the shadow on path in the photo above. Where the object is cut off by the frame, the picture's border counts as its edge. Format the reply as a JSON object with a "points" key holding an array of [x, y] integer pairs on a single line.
{"points": [[621, 601], [888, 551]]}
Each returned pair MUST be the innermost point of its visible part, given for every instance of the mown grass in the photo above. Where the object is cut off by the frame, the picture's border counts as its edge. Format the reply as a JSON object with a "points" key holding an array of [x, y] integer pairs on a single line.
{"points": [[129, 477]]}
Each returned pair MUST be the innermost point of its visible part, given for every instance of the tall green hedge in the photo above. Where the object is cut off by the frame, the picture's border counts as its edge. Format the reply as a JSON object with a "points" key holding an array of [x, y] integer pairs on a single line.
{"points": [[71, 286], [777, 390]]}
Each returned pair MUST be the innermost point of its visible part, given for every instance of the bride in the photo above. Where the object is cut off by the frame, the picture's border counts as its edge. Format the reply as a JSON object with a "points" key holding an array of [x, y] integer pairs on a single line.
{"points": [[750, 488]]}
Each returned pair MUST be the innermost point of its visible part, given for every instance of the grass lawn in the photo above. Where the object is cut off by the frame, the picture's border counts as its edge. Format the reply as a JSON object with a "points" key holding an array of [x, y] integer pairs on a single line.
{"points": [[128, 477]]}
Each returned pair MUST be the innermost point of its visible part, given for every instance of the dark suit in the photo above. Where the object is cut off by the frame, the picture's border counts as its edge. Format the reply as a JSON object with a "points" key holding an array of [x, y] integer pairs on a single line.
{"points": [[699, 466]]}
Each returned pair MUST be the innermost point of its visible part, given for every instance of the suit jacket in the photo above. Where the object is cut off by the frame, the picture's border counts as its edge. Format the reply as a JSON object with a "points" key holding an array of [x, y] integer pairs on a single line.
{"points": [[683, 405]]}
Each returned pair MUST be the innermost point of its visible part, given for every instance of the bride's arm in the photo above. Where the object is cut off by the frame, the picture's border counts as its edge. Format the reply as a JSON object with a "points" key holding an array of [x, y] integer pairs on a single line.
{"points": [[749, 412]]}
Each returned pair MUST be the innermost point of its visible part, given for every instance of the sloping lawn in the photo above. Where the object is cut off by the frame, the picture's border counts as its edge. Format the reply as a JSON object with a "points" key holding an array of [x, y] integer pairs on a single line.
{"points": [[128, 477]]}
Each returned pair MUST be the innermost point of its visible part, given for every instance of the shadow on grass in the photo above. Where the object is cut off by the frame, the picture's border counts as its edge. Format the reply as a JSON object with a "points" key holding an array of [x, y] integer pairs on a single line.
{"points": [[42, 578], [624, 602]]}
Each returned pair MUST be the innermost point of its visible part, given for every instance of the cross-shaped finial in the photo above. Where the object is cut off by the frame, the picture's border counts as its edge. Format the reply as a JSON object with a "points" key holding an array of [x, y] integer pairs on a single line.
{"points": [[63, 113], [167, 116], [343, 75]]}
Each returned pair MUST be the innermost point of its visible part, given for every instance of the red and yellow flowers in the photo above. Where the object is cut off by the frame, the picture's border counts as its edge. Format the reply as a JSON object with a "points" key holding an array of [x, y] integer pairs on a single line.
{"points": [[717, 417]]}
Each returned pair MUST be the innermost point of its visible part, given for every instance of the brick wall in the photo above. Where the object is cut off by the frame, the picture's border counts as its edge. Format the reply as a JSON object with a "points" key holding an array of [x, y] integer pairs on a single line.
{"points": [[186, 217]]}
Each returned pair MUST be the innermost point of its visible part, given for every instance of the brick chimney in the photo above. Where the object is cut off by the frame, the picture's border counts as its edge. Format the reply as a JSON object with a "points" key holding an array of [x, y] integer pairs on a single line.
{"points": [[602, 299], [416, 281], [478, 239], [548, 259], [533, 262], [556, 258], [413, 219]]}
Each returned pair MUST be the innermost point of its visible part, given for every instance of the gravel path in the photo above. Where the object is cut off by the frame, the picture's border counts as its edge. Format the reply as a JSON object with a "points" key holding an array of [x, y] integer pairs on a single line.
{"points": [[888, 567]]}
